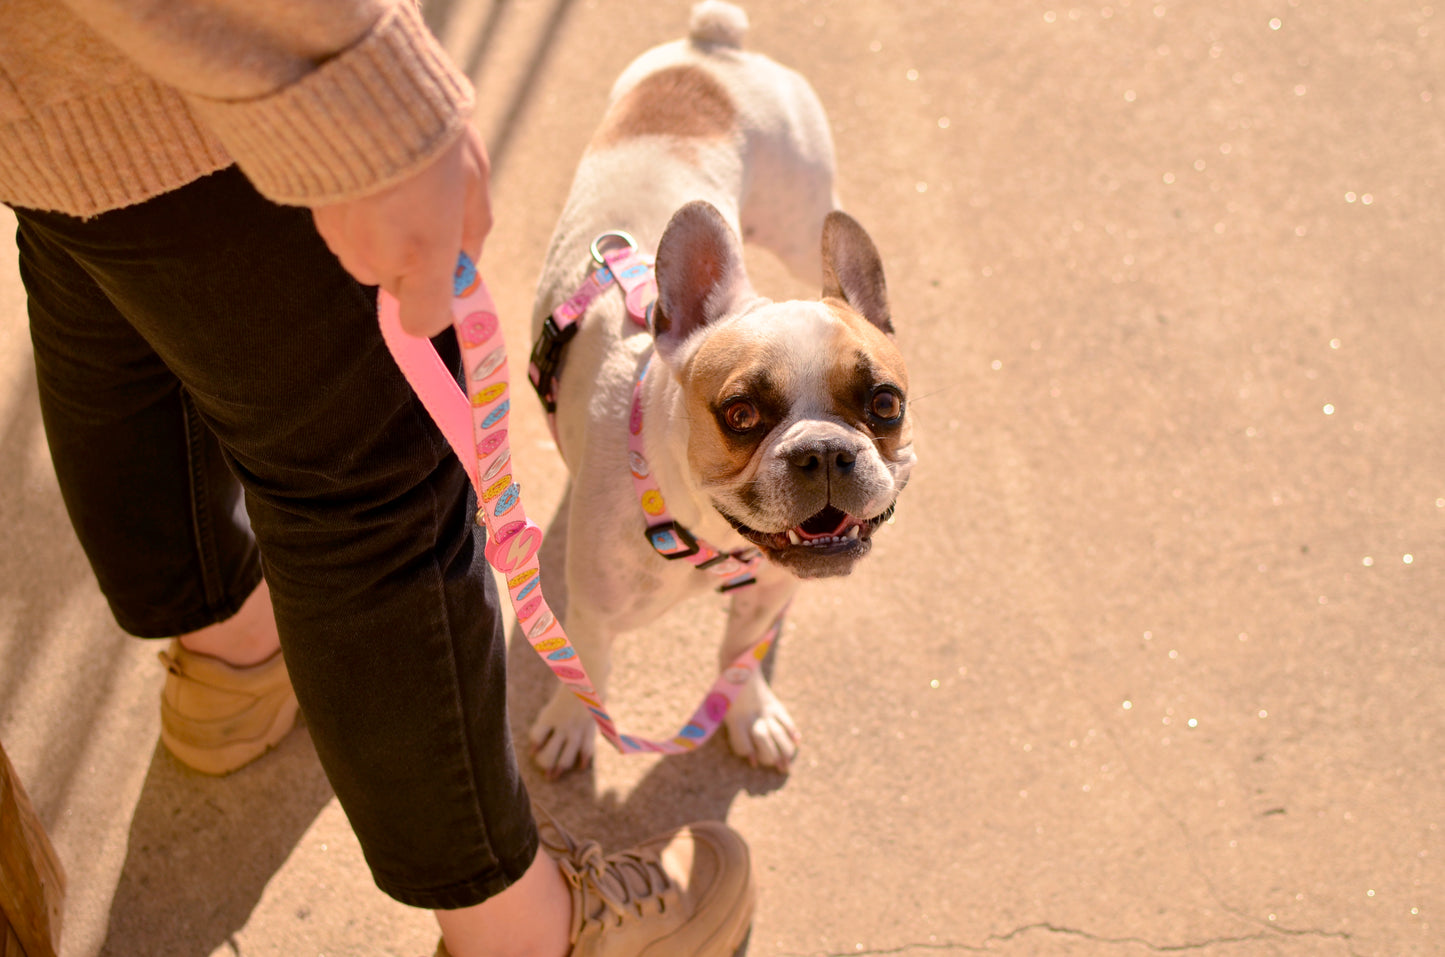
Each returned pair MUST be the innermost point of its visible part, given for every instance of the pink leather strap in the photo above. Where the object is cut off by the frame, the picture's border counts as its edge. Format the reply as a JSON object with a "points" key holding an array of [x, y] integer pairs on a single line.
{"points": [[431, 381]]}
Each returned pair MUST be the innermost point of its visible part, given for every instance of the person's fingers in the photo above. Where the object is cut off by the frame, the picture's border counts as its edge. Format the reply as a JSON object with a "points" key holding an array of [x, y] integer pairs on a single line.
{"points": [[424, 312], [411, 261], [424, 289], [475, 228], [477, 208], [406, 238]]}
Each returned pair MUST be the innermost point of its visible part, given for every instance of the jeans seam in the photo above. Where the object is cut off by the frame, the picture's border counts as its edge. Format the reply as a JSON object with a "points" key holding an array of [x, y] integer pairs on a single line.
{"points": [[207, 553]]}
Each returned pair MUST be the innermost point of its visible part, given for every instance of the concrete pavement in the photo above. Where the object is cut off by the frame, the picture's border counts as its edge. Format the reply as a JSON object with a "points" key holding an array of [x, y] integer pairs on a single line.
{"points": [[1151, 660]]}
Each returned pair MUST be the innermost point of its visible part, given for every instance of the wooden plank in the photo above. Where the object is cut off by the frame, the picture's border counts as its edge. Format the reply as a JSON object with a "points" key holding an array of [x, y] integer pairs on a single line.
{"points": [[32, 883], [9, 943]]}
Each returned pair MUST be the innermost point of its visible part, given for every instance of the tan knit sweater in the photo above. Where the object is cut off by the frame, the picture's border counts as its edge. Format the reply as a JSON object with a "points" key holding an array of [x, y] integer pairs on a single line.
{"points": [[107, 103]]}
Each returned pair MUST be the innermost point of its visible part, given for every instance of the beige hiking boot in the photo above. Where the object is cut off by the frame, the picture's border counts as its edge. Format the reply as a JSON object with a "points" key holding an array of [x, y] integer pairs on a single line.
{"points": [[217, 717], [687, 893]]}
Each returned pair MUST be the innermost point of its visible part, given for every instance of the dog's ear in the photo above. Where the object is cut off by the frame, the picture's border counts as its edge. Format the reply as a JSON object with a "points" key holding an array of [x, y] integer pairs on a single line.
{"points": [[853, 270], [700, 276]]}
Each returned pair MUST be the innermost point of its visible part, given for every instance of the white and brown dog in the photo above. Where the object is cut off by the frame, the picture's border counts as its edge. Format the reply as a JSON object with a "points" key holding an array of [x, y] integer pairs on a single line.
{"points": [[779, 426]]}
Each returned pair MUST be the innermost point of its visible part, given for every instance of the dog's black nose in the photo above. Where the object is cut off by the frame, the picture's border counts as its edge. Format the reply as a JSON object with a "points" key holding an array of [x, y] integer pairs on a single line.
{"points": [[814, 458]]}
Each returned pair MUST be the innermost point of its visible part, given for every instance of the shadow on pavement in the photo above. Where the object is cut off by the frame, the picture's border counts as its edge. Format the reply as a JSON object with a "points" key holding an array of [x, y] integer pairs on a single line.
{"points": [[201, 850], [440, 13], [39, 578]]}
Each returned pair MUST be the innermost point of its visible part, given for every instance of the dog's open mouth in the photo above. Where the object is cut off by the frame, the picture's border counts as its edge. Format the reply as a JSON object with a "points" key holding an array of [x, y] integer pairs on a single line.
{"points": [[830, 531]]}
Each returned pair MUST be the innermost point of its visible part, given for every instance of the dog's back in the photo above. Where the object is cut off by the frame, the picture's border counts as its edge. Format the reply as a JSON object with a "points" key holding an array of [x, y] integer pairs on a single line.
{"points": [[700, 117], [786, 146]]}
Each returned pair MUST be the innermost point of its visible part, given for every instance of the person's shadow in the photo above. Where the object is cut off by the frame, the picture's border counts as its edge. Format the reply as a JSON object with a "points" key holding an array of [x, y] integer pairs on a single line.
{"points": [[201, 850]]}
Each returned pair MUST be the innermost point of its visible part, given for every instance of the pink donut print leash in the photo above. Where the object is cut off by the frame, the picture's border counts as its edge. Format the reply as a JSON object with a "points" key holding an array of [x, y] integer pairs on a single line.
{"points": [[475, 424]]}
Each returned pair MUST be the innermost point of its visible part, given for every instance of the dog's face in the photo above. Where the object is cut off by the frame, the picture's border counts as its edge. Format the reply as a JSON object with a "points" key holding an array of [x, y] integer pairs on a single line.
{"points": [[798, 423]]}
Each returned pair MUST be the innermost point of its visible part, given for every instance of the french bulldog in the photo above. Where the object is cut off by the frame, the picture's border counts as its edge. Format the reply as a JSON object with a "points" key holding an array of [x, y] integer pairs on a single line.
{"points": [[776, 426]]}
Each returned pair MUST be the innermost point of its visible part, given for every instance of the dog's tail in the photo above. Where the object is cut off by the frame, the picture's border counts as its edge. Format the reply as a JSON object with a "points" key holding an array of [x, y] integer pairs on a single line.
{"points": [[717, 23]]}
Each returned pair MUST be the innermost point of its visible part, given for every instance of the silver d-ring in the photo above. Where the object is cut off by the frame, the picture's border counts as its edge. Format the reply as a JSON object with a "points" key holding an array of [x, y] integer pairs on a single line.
{"points": [[626, 239]]}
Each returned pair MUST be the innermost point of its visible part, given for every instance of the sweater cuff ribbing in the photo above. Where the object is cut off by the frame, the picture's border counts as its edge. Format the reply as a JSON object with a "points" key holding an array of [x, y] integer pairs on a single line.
{"points": [[361, 121]]}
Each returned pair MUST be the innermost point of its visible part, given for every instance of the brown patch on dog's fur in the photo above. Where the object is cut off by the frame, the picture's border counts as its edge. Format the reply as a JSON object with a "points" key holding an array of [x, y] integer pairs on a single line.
{"points": [[679, 101], [731, 363], [866, 357]]}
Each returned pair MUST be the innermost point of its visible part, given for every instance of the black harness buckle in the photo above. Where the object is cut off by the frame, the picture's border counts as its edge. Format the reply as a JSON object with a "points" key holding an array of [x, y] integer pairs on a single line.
{"points": [[546, 360]]}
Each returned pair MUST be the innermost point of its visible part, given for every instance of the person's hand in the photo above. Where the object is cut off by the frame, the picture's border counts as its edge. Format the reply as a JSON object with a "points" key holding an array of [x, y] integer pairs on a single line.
{"points": [[406, 238]]}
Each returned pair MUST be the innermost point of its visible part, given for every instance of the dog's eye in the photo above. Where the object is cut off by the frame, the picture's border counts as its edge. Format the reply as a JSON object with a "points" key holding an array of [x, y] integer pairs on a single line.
{"points": [[886, 404], [740, 415]]}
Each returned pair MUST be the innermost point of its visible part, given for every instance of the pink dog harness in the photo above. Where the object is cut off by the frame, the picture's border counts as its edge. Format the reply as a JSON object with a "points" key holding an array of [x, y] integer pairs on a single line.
{"points": [[622, 263], [475, 424]]}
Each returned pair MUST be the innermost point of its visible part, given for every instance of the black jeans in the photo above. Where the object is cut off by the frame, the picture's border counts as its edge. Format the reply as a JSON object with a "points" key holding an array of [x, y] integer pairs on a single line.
{"points": [[207, 343]]}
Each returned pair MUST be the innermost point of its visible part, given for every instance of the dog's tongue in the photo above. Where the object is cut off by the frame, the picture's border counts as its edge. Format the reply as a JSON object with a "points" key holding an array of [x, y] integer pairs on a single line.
{"points": [[826, 524]]}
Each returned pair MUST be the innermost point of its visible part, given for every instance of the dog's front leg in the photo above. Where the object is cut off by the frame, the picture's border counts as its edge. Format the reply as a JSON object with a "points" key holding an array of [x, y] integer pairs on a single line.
{"points": [[759, 727], [564, 735]]}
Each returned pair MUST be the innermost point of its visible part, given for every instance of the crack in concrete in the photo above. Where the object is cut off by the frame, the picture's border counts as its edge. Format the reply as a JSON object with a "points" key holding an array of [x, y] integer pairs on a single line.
{"points": [[1263, 934], [1047, 927], [1198, 865]]}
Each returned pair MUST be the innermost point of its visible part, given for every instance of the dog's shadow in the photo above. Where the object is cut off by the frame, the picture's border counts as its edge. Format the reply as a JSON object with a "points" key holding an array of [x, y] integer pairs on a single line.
{"points": [[675, 791]]}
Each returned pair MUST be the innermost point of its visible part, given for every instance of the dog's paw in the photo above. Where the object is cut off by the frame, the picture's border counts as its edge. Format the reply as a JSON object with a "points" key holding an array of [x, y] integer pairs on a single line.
{"points": [[564, 736], [760, 729]]}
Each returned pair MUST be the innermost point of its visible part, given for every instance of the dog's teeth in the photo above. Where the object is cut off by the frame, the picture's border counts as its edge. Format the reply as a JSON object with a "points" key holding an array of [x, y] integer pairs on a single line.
{"points": [[793, 537], [852, 533]]}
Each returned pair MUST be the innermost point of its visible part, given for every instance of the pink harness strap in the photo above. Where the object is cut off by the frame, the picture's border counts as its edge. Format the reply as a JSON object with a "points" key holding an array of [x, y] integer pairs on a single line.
{"points": [[667, 537], [623, 265], [475, 424]]}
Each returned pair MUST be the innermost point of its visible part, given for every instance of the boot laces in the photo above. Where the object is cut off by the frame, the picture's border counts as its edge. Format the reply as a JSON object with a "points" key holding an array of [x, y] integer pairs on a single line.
{"points": [[609, 889]]}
